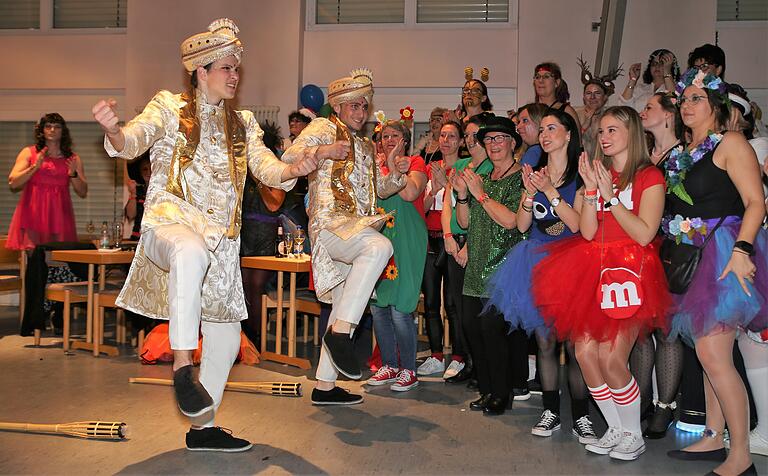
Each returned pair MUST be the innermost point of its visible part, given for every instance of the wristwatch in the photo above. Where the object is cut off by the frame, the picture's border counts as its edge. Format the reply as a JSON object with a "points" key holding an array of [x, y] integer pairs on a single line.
{"points": [[556, 200], [611, 203]]}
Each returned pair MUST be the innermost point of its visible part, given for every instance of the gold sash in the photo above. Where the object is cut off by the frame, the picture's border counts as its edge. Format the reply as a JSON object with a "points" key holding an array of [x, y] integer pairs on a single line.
{"points": [[187, 140]]}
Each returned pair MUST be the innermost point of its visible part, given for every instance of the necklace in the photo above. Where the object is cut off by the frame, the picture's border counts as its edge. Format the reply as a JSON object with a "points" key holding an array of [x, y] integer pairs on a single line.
{"points": [[505, 172], [681, 160]]}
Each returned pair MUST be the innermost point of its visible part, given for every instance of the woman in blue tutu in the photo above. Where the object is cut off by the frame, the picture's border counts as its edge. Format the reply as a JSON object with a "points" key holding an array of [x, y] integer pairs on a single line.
{"points": [[715, 180], [550, 211]]}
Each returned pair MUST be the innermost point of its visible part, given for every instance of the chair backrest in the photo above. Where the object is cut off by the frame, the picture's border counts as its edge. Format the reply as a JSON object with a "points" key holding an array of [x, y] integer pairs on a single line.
{"points": [[8, 257]]}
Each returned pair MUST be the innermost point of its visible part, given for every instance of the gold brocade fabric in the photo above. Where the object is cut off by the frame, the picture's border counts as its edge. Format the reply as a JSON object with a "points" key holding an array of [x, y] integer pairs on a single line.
{"points": [[198, 175], [353, 181]]}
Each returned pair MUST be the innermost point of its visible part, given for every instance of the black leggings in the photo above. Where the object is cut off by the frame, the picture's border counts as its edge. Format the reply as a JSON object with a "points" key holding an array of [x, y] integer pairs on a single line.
{"points": [[435, 274]]}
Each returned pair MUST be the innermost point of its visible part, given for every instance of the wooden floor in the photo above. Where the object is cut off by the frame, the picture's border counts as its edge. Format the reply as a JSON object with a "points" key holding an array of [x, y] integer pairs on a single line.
{"points": [[428, 430]]}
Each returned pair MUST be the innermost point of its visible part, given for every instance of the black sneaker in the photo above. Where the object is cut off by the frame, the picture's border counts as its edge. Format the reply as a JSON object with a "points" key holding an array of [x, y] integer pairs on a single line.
{"points": [[548, 423], [534, 386], [521, 394], [216, 439], [335, 396], [342, 353], [191, 396]]}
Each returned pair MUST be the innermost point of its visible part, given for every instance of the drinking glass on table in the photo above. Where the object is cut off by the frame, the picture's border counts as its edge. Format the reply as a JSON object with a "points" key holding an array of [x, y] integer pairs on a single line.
{"points": [[299, 237], [288, 245], [117, 234]]}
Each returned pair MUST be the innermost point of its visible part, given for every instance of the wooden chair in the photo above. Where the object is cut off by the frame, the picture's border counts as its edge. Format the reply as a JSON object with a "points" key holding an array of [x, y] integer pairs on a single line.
{"points": [[106, 299], [306, 303], [68, 294], [9, 279]]}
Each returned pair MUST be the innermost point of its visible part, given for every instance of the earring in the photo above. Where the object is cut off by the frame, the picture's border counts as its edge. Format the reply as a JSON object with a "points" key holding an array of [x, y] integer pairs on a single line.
{"points": [[666, 124]]}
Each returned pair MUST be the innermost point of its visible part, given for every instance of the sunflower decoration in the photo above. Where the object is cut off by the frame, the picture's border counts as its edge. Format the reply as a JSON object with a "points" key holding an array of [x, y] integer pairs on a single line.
{"points": [[381, 211], [390, 272], [390, 221]]}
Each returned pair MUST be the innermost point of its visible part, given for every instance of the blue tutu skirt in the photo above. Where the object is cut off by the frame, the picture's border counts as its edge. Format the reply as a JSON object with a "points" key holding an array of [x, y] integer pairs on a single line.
{"points": [[509, 287], [710, 305]]}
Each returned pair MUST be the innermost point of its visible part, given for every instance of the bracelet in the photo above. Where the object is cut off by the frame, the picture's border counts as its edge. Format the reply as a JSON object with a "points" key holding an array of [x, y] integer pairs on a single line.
{"points": [[530, 195], [528, 200], [592, 200], [668, 75], [632, 79], [447, 235], [527, 208], [483, 198], [744, 247], [736, 250], [590, 193], [462, 201]]}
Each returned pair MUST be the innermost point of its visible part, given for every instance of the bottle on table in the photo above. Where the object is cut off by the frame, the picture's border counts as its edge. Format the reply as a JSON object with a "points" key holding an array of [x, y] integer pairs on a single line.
{"points": [[279, 242]]}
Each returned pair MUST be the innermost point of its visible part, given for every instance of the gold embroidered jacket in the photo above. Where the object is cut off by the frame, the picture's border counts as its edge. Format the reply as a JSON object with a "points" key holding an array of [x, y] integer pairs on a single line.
{"points": [[196, 191], [342, 195]]}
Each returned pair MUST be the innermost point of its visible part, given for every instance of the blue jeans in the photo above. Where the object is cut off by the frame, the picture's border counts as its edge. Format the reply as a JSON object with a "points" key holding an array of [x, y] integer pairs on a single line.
{"points": [[395, 331]]}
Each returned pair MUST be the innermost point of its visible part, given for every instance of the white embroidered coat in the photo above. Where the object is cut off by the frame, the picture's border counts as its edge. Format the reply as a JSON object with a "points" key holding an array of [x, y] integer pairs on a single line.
{"points": [[210, 201], [328, 273]]}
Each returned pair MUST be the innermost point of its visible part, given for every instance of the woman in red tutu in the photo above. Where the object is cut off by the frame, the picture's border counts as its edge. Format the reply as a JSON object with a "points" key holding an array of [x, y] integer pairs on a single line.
{"points": [[603, 289], [44, 172]]}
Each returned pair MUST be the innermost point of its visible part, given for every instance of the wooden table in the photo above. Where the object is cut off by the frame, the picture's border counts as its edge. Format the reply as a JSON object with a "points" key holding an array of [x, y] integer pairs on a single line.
{"points": [[92, 258], [281, 265]]}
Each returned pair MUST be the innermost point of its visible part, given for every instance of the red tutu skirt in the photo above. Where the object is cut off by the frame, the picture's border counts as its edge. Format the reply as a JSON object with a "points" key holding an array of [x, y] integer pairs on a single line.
{"points": [[565, 289]]}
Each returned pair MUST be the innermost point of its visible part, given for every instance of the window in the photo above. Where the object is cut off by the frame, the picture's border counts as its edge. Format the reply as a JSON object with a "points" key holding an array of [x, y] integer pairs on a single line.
{"points": [[47, 15], [410, 13], [742, 10], [329, 12], [105, 175], [90, 13], [20, 14], [462, 11]]}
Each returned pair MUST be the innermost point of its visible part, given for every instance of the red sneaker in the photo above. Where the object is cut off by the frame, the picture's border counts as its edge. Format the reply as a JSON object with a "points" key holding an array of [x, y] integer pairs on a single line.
{"points": [[383, 376], [406, 380]]}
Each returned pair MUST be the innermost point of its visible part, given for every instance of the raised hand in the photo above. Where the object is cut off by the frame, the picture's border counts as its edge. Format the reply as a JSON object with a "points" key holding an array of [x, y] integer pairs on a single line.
{"points": [[542, 181], [530, 188], [634, 71], [604, 181], [458, 184], [439, 178], [105, 114], [474, 182], [667, 60], [587, 172]]}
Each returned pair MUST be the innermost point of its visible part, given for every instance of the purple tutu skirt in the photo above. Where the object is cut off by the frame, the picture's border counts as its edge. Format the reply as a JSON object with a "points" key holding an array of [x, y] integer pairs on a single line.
{"points": [[710, 305]]}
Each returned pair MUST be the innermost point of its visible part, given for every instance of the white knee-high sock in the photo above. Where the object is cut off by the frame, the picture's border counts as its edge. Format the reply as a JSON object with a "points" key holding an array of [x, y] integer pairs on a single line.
{"points": [[627, 401], [604, 400], [756, 363]]}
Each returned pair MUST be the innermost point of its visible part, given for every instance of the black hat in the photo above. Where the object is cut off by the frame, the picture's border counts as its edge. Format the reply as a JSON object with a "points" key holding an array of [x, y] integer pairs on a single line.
{"points": [[500, 124]]}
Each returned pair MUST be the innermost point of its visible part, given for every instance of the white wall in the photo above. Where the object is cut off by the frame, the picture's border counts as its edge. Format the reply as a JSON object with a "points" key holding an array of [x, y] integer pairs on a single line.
{"points": [[66, 71]]}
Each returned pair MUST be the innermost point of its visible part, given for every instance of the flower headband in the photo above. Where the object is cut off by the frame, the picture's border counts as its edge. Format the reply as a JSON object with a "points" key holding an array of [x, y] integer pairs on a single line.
{"points": [[700, 79], [406, 118]]}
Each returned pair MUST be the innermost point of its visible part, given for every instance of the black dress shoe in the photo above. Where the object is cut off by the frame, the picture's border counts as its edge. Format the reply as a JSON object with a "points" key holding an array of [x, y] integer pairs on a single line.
{"points": [[751, 471], [718, 455], [463, 375], [479, 404], [659, 423], [496, 405]]}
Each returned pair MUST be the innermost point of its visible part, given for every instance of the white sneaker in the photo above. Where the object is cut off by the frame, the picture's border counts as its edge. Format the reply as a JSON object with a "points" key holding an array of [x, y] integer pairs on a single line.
{"points": [[629, 448], [453, 368], [431, 366], [757, 444], [604, 445]]}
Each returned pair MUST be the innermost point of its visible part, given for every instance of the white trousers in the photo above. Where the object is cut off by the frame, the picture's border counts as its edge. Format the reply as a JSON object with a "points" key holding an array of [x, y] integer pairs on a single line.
{"points": [[183, 254], [365, 254]]}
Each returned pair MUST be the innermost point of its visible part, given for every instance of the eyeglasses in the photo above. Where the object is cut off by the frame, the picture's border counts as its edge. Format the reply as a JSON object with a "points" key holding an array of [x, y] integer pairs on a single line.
{"points": [[695, 99], [472, 91], [538, 77], [499, 139], [702, 66]]}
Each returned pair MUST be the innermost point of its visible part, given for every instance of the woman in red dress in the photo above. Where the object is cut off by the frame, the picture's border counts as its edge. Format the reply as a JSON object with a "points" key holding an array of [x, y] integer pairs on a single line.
{"points": [[43, 173]]}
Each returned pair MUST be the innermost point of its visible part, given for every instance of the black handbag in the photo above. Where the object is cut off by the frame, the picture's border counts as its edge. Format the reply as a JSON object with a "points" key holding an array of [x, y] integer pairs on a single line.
{"points": [[680, 261]]}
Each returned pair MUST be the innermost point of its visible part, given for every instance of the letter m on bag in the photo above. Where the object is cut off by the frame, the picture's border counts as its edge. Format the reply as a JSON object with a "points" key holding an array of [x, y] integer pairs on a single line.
{"points": [[620, 293]]}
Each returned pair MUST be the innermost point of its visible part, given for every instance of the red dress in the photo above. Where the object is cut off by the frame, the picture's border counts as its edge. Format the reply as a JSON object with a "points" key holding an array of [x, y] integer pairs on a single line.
{"points": [[44, 213], [566, 281]]}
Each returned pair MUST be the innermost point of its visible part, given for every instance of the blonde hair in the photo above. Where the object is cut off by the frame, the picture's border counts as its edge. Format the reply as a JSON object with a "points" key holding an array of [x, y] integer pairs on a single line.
{"points": [[637, 150]]}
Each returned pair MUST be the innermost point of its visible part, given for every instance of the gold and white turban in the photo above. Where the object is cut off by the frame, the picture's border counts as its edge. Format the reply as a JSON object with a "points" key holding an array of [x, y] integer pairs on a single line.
{"points": [[359, 84], [218, 42]]}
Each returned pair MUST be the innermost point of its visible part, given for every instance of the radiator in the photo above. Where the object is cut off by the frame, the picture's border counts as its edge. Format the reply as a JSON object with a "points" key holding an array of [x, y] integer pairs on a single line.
{"points": [[265, 113]]}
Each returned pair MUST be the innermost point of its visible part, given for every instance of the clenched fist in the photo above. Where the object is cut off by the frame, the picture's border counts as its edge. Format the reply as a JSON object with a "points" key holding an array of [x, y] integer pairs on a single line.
{"points": [[105, 114]]}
